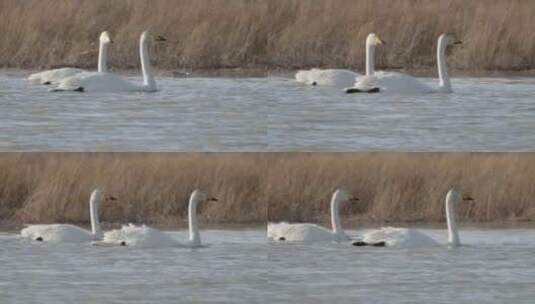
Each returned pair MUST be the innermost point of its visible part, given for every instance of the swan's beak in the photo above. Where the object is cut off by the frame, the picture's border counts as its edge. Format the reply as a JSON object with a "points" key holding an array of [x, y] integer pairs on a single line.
{"points": [[354, 199], [160, 38], [379, 41], [110, 198], [468, 198]]}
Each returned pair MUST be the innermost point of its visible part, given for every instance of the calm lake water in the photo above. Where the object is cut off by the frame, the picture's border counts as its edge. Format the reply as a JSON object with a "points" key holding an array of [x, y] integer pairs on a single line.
{"points": [[241, 266], [267, 114]]}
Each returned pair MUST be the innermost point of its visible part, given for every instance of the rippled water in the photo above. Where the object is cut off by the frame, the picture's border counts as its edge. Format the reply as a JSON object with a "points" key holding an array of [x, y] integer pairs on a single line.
{"points": [[268, 114], [240, 266]]}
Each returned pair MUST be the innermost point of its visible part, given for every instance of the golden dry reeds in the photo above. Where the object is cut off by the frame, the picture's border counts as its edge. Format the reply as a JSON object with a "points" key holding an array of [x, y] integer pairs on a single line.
{"points": [[255, 187], [268, 33]]}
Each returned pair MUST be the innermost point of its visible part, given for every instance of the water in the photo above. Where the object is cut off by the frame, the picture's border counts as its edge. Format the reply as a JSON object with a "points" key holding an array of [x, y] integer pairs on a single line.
{"points": [[240, 266], [268, 114]]}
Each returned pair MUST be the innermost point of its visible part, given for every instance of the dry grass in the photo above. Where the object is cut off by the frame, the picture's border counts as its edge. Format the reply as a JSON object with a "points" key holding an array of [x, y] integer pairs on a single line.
{"points": [[154, 187], [268, 33]]}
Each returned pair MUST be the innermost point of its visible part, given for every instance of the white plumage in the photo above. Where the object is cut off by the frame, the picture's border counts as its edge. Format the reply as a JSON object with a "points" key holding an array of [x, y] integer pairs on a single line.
{"points": [[65, 232], [337, 78], [306, 232], [55, 76]]}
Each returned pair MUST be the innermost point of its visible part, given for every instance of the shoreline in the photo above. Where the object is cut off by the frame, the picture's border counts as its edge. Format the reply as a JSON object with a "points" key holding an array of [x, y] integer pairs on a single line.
{"points": [[348, 225], [289, 73]]}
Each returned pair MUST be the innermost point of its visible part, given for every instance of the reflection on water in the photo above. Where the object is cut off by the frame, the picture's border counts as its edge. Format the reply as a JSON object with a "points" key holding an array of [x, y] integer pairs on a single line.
{"points": [[268, 114], [241, 266]]}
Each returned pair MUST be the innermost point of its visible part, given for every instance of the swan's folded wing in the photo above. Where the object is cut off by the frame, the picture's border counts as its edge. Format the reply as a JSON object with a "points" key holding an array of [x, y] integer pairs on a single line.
{"points": [[329, 77], [53, 76], [400, 83]]}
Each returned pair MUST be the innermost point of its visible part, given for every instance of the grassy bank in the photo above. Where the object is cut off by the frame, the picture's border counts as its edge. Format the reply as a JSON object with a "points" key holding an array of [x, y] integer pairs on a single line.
{"points": [[154, 188], [268, 33]]}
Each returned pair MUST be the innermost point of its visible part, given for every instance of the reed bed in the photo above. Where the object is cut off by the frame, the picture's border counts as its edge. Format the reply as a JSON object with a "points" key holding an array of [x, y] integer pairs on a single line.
{"points": [[255, 187], [287, 34]]}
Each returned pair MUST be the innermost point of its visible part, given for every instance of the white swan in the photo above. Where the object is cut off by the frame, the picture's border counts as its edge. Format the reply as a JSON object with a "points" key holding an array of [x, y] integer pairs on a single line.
{"points": [[108, 82], [65, 232], [410, 238], [392, 82], [311, 232], [132, 235], [339, 78], [56, 75]]}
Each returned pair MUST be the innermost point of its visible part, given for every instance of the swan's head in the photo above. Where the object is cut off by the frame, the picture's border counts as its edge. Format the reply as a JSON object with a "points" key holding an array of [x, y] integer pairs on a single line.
{"points": [[343, 196], [105, 37], [449, 39], [201, 196], [374, 40], [454, 196], [95, 196], [145, 36]]}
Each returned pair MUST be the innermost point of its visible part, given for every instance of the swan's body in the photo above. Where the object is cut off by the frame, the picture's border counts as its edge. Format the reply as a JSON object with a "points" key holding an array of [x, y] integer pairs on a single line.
{"points": [[132, 235], [311, 232], [139, 236], [338, 78], [108, 82], [56, 75], [53, 76], [68, 233], [410, 238], [399, 237], [399, 83]]}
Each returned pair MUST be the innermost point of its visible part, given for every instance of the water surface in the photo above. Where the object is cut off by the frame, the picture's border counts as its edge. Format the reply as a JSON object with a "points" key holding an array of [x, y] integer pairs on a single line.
{"points": [[267, 114], [240, 266]]}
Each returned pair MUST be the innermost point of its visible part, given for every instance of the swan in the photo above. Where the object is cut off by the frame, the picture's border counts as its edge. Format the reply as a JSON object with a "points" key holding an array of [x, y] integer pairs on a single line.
{"points": [[65, 232], [402, 83], [340, 78], [311, 232], [132, 235], [56, 75], [109, 82], [411, 238]]}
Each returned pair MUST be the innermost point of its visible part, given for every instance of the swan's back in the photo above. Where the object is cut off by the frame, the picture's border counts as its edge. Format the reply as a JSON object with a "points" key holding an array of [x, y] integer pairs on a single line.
{"points": [[57, 233], [97, 82], [53, 76], [399, 83], [399, 237], [301, 232], [330, 77], [133, 235]]}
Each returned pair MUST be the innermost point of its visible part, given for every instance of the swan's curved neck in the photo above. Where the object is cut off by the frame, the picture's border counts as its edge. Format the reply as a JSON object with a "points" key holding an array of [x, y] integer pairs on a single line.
{"points": [[103, 57], [93, 213], [370, 57], [453, 233], [149, 83], [444, 78], [194, 235], [335, 216]]}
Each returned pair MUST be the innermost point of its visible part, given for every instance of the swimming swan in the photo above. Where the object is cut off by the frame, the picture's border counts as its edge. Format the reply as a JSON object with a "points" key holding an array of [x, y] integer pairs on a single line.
{"points": [[311, 232], [132, 235], [327, 77], [65, 232], [410, 238], [339, 78], [400, 83], [109, 82], [56, 75]]}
